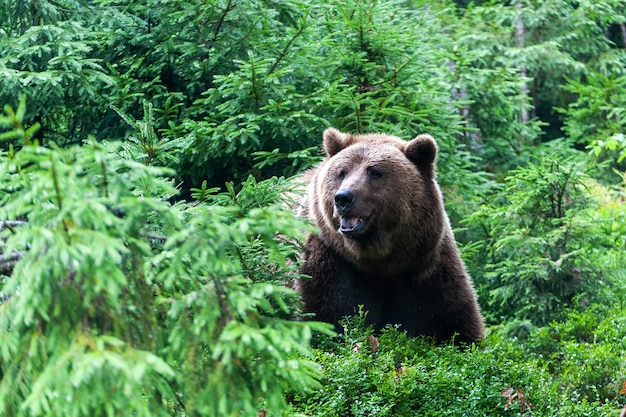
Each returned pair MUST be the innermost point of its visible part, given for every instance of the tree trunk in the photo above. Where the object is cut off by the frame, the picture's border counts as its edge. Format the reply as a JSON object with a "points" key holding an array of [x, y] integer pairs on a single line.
{"points": [[519, 42]]}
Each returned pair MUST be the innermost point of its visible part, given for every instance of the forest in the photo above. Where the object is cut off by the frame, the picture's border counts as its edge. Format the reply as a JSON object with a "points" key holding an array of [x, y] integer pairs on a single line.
{"points": [[148, 151]]}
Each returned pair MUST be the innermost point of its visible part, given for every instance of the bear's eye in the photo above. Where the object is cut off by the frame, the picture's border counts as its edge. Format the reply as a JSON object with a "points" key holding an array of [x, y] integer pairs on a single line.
{"points": [[342, 174], [374, 173]]}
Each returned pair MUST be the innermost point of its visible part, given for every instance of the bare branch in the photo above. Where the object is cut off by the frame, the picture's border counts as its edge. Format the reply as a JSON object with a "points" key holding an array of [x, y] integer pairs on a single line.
{"points": [[10, 224], [7, 262]]}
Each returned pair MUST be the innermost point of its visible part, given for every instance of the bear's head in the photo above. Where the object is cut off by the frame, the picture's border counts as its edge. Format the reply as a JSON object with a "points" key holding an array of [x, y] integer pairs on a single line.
{"points": [[377, 201]]}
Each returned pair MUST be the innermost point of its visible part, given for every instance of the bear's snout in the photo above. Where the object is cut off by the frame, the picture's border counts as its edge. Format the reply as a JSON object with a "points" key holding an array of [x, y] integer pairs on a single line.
{"points": [[344, 201]]}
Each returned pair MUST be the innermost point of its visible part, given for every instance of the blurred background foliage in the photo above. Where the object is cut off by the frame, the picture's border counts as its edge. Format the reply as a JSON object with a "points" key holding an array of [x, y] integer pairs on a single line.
{"points": [[145, 148]]}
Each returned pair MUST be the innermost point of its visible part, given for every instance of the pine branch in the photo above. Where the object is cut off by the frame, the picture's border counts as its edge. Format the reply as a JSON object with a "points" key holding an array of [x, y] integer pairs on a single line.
{"points": [[291, 41]]}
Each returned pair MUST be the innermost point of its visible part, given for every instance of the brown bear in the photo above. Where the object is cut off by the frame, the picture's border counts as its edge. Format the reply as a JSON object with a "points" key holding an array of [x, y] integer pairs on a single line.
{"points": [[384, 240]]}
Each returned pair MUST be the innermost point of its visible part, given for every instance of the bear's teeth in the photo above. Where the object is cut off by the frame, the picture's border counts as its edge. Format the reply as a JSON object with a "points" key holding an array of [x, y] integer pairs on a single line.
{"points": [[351, 224]]}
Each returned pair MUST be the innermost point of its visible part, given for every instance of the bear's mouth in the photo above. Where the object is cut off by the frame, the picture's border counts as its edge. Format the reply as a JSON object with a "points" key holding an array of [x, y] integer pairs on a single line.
{"points": [[351, 224]]}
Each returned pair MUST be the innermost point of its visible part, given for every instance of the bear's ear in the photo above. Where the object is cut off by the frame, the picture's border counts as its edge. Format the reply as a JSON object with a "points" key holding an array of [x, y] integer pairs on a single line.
{"points": [[335, 141], [422, 151]]}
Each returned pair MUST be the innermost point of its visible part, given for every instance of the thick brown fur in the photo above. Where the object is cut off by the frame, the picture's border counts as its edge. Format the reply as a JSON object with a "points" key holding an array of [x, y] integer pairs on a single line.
{"points": [[384, 240]]}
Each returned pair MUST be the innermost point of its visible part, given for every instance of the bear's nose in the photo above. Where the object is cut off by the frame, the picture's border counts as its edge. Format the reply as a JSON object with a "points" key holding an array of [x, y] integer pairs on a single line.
{"points": [[344, 200]]}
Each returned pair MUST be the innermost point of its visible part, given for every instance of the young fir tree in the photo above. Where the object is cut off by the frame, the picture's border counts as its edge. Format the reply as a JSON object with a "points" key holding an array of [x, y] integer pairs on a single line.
{"points": [[122, 303]]}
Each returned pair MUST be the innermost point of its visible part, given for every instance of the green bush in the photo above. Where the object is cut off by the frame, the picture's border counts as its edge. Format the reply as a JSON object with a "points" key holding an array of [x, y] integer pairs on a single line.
{"points": [[585, 351], [399, 376], [122, 303], [545, 238], [596, 118], [47, 54], [361, 67]]}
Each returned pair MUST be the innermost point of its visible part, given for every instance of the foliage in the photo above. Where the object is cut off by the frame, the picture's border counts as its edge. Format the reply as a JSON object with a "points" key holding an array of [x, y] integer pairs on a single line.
{"points": [[111, 288], [596, 119], [227, 82], [546, 239], [491, 88], [46, 54], [371, 66], [220, 74], [13, 122], [585, 350], [398, 376], [598, 110], [148, 307]]}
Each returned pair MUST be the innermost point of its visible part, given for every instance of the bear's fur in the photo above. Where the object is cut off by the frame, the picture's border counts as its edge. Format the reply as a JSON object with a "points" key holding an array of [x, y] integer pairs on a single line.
{"points": [[384, 240]]}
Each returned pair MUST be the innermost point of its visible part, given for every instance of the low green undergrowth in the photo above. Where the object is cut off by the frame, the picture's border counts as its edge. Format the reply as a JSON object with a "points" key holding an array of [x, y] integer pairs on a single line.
{"points": [[393, 375]]}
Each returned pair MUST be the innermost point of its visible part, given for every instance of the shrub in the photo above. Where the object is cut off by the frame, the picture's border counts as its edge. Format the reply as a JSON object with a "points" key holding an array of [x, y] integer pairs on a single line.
{"points": [[585, 351], [122, 303], [399, 376], [546, 238]]}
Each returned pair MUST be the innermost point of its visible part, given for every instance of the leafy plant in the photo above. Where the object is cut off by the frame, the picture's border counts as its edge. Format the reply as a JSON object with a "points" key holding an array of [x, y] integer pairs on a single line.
{"points": [[152, 309], [595, 119], [584, 351], [46, 54], [542, 242], [400, 376], [13, 122]]}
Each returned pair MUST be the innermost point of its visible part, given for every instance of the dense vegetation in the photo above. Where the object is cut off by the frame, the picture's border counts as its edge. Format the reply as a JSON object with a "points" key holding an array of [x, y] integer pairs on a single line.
{"points": [[145, 240]]}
